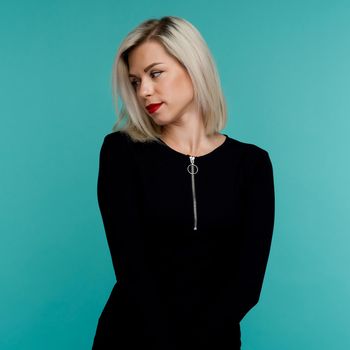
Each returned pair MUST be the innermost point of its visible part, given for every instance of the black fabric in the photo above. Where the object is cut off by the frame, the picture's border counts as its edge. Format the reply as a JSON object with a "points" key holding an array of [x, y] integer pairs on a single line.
{"points": [[180, 288]]}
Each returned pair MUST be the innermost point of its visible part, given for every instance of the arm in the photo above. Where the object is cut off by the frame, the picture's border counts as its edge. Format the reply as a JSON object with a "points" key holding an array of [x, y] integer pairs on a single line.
{"points": [[242, 289], [119, 204]]}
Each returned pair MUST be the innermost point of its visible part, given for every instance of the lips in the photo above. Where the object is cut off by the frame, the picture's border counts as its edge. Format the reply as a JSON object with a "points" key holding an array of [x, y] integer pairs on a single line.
{"points": [[153, 107]]}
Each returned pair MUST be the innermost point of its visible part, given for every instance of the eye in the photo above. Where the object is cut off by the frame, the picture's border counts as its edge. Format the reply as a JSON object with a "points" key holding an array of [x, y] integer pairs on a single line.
{"points": [[135, 82], [156, 72]]}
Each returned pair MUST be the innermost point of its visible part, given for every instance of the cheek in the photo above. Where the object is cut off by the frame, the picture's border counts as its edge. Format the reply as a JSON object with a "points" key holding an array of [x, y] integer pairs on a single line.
{"points": [[187, 84], [180, 88]]}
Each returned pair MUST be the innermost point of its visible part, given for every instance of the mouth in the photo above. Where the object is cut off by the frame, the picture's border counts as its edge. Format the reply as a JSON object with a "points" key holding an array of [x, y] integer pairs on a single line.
{"points": [[151, 108]]}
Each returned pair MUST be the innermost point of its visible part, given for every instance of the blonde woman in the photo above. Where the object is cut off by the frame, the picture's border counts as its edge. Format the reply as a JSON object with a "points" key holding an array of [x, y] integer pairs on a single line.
{"points": [[188, 211]]}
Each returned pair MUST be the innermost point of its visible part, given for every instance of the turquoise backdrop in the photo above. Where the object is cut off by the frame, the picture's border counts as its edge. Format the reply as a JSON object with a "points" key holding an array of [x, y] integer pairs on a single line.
{"points": [[285, 72]]}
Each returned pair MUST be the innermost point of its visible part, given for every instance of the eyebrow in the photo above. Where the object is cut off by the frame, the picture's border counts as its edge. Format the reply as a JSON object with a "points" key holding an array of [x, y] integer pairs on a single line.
{"points": [[147, 68]]}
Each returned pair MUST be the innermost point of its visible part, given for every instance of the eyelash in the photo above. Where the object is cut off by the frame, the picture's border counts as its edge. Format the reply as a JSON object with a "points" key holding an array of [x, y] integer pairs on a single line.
{"points": [[133, 82]]}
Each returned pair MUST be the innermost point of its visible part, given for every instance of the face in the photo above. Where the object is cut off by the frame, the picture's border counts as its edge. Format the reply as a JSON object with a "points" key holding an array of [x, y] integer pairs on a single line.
{"points": [[157, 77]]}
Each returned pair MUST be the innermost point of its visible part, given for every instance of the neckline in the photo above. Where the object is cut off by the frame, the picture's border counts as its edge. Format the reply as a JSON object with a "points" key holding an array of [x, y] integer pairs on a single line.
{"points": [[222, 145]]}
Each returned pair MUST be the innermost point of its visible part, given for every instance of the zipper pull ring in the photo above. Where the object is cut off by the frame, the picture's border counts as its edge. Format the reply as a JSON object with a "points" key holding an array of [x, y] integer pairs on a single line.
{"points": [[192, 168]]}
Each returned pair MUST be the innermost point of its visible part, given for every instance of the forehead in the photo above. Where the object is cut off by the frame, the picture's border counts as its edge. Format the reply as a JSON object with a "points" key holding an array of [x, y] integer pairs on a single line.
{"points": [[145, 54]]}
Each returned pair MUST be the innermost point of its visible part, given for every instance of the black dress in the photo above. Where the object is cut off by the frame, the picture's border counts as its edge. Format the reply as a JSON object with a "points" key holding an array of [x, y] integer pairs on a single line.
{"points": [[189, 243]]}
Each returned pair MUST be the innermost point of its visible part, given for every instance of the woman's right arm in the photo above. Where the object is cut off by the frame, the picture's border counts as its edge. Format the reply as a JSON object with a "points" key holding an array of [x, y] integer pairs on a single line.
{"points": [[119, 202]]}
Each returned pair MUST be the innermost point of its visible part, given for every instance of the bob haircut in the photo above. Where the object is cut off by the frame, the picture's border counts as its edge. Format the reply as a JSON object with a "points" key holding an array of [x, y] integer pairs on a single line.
{"points": [[183, 41]]}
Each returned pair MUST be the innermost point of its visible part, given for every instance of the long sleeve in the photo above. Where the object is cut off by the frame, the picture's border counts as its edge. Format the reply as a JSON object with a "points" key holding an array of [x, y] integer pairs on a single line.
{"points": [[241, 291], [119, 202]]}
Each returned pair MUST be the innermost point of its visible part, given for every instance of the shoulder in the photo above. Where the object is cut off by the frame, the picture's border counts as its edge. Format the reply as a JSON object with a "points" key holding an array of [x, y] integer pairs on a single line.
{"points": [[248, 151], [117, 141], [117, 137], [115, 147], [254, 160]]}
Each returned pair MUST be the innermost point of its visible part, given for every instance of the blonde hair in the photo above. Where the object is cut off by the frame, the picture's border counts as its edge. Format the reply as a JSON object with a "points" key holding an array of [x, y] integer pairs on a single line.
{"points": [[184, 42]]}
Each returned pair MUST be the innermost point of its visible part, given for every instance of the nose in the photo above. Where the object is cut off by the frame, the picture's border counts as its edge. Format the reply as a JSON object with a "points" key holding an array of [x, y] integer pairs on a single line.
{"points": [[146, 88]]}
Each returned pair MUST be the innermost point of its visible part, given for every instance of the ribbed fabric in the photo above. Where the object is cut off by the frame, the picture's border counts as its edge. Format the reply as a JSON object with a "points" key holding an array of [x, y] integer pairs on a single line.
{"points": [[180, 288]]}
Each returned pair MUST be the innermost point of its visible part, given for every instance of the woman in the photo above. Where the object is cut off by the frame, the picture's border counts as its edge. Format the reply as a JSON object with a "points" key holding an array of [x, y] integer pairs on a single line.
{"points": [[188, 212]]}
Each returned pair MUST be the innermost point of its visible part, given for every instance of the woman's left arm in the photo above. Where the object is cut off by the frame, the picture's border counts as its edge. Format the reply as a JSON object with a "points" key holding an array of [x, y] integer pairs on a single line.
{"points": [[241, 291], [258, 223]]}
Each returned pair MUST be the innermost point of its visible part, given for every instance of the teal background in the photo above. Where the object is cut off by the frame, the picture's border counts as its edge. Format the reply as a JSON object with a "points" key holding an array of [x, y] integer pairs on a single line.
{"points": [[284, 67]]}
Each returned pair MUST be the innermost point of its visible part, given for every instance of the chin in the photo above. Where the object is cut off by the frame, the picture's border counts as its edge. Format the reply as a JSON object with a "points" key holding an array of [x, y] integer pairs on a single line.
{"points": [[160, 121]]}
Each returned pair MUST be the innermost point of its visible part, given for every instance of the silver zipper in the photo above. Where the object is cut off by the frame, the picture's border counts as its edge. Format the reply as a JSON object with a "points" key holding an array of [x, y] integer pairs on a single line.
{"points": [[193, 169]]}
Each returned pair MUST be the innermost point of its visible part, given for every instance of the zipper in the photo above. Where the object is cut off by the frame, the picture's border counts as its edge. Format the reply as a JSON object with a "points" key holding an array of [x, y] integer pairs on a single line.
{"points": [[193, 169]]}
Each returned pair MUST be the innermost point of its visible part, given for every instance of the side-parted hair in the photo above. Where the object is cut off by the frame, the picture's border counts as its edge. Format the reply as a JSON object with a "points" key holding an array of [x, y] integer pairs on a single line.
{"points": [[183, 41]]}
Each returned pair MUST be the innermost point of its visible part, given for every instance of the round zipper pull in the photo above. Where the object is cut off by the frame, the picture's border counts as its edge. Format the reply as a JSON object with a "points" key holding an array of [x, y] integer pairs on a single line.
{"points": [[192, 168]]}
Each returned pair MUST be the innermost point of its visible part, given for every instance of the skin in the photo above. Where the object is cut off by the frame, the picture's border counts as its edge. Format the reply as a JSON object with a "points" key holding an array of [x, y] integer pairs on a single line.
{"points": [[170, 83]]}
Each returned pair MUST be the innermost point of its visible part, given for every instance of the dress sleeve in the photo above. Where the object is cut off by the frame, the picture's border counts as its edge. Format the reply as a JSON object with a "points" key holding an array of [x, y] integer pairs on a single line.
{"points": [[119, 203], [241, 291]]}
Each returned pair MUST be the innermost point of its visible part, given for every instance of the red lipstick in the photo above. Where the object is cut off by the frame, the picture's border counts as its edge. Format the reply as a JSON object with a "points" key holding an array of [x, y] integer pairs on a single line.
{"points": [[153, 107]]}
